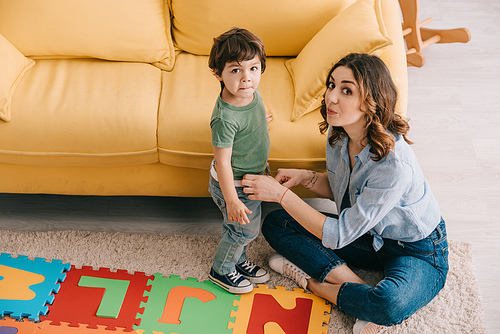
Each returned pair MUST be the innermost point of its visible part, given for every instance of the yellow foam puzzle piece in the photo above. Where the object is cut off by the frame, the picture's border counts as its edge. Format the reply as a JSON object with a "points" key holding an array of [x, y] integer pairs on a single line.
{"points": [[320, 312], [15, 283]]}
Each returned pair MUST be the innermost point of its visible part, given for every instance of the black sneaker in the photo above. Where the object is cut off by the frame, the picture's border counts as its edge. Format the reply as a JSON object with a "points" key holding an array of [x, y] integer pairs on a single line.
{"points": [[252, 272], [233, 282]]}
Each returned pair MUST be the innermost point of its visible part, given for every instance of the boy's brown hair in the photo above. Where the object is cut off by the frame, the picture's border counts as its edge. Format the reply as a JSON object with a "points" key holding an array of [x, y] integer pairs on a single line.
{"points": [[237, 44]]}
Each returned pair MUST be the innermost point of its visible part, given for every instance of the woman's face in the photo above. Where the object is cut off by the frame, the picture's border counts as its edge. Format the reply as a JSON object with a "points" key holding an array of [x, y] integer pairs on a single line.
{"points": [[343, 100]]}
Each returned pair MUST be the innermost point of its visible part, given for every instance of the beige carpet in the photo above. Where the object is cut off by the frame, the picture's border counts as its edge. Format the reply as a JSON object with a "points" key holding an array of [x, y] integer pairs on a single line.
{"points": [[457, 309]]}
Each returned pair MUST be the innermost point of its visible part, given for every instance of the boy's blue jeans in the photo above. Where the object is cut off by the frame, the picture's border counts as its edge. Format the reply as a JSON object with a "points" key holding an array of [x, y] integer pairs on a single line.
{"points": [[235, 237], [414, 272]]}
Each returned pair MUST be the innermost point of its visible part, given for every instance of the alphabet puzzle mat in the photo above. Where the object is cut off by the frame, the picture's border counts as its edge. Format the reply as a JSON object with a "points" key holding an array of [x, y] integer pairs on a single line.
{"points": [[50, 297]]}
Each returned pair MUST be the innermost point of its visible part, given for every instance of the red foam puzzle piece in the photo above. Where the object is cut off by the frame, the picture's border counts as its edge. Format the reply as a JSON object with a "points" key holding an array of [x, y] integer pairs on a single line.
{"points": [[79, 304], [266, 309]]}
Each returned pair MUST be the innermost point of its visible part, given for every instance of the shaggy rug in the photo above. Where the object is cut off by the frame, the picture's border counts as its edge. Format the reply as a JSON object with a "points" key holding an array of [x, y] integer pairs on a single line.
{"points": [[457, 308]]}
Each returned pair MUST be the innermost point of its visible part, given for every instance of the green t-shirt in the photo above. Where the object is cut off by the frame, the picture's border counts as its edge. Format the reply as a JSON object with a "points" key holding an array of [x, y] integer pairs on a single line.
{"points": [[244, 129]]}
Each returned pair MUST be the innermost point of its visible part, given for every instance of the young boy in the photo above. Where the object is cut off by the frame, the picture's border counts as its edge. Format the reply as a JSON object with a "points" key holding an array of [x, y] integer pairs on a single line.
{"points": [[241, 144]]}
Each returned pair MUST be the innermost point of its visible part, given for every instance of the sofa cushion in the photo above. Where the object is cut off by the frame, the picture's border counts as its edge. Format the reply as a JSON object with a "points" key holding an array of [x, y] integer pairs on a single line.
{"points": [[284, 26], [188, 97], [359, 28], [127, 30], [13, 66], [83, 113]]}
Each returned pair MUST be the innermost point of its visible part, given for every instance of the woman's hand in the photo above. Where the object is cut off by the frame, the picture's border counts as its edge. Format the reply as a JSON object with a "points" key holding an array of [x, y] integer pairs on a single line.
{"points": [[262, 188], [316, 182], [266, 188], [291, 177]]}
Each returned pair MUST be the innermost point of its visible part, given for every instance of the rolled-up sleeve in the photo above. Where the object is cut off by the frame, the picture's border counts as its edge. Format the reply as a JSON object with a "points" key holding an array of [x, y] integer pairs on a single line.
{"points": [[331, 233]]}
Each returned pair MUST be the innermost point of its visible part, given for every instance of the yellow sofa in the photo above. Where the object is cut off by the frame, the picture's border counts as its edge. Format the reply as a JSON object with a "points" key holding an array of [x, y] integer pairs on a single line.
{"points": [[114, 97]]}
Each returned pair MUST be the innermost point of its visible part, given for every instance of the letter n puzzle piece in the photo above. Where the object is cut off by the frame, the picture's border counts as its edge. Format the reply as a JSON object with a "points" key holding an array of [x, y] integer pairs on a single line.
{"points": [[27, 286], [283, 311]]}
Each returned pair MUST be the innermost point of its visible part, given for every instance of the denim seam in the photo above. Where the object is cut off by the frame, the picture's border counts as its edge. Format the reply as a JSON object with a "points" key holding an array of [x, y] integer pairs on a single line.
{"points": [[329, 268], [339, 296]]}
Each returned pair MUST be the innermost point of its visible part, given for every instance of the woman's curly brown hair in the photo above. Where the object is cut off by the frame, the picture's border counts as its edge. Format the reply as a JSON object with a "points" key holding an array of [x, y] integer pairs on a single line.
{"points": [[378, 96]]}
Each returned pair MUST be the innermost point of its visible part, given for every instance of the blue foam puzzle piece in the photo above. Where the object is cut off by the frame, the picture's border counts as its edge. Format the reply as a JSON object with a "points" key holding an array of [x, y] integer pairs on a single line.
{"points": [[54, 273]]}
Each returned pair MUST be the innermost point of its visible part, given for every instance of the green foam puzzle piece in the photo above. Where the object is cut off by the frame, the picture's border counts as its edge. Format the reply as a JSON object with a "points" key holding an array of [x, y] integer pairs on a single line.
{"points": [[189, 313]]}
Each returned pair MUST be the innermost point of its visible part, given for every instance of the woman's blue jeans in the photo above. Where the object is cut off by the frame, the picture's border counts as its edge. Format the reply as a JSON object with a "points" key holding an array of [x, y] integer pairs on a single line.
{"points": [[235, 237], [414, 272]]}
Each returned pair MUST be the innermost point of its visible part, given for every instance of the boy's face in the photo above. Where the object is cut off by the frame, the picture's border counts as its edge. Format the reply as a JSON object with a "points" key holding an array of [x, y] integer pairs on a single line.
{"points": [[240, 81]]}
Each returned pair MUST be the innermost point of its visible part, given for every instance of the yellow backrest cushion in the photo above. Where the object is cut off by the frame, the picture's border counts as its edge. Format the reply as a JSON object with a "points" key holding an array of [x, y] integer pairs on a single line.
{"points": [[359, 28], [284, 26], [13, 66], [124, 30]]}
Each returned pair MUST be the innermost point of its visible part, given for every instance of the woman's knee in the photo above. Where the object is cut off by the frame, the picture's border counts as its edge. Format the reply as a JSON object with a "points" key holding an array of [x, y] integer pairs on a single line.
{"points": [[391, 309], [272, 222]]}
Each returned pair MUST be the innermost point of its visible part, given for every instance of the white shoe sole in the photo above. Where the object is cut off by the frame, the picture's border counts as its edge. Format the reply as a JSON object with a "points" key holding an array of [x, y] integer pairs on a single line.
{"points": [[231, 289], [258, 280]]}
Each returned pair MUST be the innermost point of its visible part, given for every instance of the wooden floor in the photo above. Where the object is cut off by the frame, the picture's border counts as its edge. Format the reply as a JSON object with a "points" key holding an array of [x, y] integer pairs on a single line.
{"points": [[454, 111]]}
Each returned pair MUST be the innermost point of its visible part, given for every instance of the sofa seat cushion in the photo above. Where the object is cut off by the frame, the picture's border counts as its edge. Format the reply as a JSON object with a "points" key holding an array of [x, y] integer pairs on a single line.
{"points": [[188, 97], [83, 113]]}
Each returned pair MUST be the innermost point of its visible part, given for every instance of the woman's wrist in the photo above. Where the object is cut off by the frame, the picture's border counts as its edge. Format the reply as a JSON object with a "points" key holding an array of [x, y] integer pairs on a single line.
{"points": [[283, 195], [310, 181]]}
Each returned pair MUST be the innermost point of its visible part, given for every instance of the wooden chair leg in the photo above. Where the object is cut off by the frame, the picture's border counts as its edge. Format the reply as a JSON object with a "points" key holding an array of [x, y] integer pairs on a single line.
{"points": [[414, 58], [458, 35], [418, 38]]}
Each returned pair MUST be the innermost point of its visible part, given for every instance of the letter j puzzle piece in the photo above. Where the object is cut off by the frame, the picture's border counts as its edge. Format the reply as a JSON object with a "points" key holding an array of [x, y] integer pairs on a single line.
{"points": [[186, 306]]}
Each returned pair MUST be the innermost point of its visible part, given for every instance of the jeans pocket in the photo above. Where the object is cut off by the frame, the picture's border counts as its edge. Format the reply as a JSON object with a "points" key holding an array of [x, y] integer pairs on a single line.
{"points": [[424, 247], [217, 196], [435, 252], [442, 257]]}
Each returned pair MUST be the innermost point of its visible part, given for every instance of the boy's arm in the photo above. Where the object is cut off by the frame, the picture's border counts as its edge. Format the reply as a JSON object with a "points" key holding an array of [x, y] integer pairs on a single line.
{"points": [[236, 210]]}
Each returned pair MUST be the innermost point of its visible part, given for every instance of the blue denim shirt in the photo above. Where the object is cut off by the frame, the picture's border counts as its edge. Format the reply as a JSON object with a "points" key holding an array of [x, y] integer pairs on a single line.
{"points": [[389, 198]]}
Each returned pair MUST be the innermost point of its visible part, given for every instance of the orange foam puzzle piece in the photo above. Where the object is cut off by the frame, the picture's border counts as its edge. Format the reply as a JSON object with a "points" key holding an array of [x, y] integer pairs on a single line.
{"points": [[23, 327]]}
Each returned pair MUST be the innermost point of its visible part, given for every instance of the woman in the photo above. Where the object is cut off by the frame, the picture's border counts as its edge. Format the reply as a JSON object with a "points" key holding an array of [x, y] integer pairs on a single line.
{"points": [[388, 217]]}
